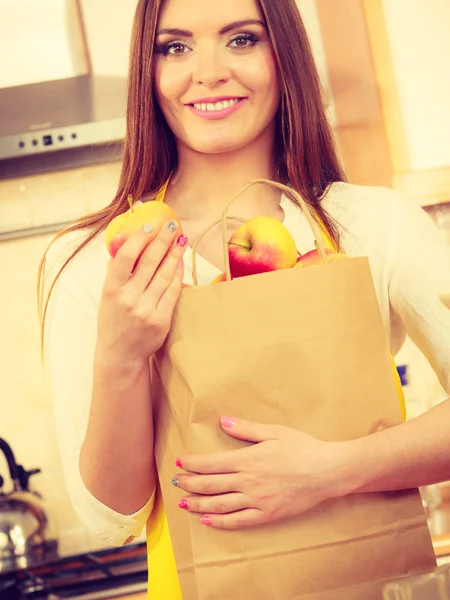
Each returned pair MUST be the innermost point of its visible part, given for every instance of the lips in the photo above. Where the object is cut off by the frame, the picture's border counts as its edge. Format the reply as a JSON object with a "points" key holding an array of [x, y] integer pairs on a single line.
{"points": [[216, 106], [217, 109], [214, 100]]}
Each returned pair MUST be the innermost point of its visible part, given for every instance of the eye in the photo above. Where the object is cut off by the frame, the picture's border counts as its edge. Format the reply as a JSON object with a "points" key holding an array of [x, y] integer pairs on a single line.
{"points": [[175, 48], [244, 41]]}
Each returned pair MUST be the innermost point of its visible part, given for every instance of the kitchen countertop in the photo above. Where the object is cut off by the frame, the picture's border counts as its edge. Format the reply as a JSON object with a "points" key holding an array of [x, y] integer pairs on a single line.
{"points": [[439, 523], [138, 596]]}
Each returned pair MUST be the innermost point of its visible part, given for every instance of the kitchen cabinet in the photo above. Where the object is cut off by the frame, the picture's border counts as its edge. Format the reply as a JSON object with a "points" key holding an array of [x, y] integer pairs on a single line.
{"points": [[411, 52], [42, 40], [108, 29], [387, 60], [411, 49], [359, 122]]}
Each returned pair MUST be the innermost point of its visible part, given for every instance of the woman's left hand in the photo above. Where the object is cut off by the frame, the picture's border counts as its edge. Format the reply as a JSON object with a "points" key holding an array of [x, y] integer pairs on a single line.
{"points": [[283, 474]]}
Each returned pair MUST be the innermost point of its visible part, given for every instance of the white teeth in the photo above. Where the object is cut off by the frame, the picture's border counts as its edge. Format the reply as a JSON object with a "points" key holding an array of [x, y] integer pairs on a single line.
{"points": [[217, 106]]}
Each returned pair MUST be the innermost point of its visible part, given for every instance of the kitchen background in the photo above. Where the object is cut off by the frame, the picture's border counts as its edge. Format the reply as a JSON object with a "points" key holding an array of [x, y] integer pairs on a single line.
{"points": [[384, 65]]}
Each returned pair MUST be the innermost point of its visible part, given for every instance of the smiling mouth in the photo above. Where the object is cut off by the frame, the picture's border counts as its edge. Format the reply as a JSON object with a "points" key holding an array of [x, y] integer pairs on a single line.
{"points": [[216, 106]]}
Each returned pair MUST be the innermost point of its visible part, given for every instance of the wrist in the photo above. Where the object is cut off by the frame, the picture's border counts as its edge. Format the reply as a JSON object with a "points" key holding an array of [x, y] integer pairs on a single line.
{"points": [[110, 363], [347, 468]]}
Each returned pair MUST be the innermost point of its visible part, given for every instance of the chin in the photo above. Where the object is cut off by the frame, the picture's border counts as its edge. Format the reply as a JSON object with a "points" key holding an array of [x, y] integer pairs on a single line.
{"points": [[222, 145], [221, 148]]}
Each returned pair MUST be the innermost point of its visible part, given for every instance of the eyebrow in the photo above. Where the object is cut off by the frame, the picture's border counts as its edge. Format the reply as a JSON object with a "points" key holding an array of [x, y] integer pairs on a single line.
{"points": [[226, 29]]}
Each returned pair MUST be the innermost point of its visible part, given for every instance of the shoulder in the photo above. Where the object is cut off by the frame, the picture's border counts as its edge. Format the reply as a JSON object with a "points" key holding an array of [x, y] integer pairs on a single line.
{"points": [[364, 200], [374, 215], [379, 203]]}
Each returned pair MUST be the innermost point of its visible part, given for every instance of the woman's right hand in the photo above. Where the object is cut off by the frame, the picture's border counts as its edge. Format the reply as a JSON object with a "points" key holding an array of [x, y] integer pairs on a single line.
{"points": [[141, 289]]}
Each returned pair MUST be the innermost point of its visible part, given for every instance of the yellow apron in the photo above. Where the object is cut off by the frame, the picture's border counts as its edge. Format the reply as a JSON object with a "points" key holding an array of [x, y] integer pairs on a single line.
{"points": [[163, 583]]}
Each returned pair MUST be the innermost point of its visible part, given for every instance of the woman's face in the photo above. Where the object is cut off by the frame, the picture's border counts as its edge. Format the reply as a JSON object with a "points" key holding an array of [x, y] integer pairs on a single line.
{"points": [[215, 74]]}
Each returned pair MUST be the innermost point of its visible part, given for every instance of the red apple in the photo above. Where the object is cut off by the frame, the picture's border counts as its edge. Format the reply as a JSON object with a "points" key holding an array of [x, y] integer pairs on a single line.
{"points": [[220, 278], [313, 258], [260, 245], [121, 227]]}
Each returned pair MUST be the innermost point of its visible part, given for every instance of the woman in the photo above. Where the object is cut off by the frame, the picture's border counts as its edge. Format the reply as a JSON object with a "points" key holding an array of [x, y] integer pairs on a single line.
{"points": [[220, 94]]}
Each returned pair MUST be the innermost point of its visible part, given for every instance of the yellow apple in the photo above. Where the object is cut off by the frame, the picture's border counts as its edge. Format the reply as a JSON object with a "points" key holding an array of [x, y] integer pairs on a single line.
{"points": [[261, 244], [153, 213]]}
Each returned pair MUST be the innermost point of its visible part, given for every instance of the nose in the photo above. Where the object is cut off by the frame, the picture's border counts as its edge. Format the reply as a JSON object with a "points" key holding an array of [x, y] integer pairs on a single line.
{"points": [[210, 68]]}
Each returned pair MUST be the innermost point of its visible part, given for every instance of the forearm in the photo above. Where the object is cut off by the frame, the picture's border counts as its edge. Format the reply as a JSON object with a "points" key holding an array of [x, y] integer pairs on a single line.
{"points": [[116, 460], [413, 454]]}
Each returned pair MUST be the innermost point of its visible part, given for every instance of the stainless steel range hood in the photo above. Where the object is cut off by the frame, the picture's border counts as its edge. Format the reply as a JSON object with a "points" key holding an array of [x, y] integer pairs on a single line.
{"points": [[56, 116], [59, 113]]}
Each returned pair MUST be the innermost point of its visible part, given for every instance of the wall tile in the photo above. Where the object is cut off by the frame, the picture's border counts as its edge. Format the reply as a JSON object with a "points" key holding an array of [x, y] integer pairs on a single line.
{"points": [[26, 417], [13, 209], [54, 198], [41, 200], [101, 183]]}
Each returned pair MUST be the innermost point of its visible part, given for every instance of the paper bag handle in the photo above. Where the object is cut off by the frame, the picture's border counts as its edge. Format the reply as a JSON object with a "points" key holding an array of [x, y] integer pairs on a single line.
{"points": [[199, 239], [318, 239]]}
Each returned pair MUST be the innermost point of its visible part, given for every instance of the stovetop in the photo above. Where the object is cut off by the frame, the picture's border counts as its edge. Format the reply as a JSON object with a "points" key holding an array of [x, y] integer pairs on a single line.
{"points": [[40, 555], [90, 576]]}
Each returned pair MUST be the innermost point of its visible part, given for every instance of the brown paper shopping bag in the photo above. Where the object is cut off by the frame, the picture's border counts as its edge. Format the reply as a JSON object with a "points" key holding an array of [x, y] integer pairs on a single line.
{"points": [[304, 348]]}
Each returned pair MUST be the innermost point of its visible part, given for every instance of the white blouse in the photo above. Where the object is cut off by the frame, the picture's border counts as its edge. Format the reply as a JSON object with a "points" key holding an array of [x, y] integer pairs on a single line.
{"points": [[410, 263]]}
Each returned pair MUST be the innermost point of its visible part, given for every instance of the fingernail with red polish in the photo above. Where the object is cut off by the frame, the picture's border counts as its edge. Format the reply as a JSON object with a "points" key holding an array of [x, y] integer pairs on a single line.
{"points": [[205, 521], [228, 422], [182, 241], [178, 463], [184, 505]]}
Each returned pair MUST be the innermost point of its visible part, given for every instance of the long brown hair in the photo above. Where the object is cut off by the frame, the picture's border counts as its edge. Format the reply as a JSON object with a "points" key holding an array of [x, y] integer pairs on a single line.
{"points": [[304, 150]]}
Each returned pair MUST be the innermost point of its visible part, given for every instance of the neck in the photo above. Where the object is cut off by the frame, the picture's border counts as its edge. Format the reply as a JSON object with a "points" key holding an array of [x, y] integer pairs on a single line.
{"points": [[214, 179]]}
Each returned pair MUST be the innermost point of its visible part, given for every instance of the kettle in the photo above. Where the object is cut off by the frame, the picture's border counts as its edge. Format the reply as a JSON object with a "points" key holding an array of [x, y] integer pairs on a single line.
{"points": [[23, 521]]}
